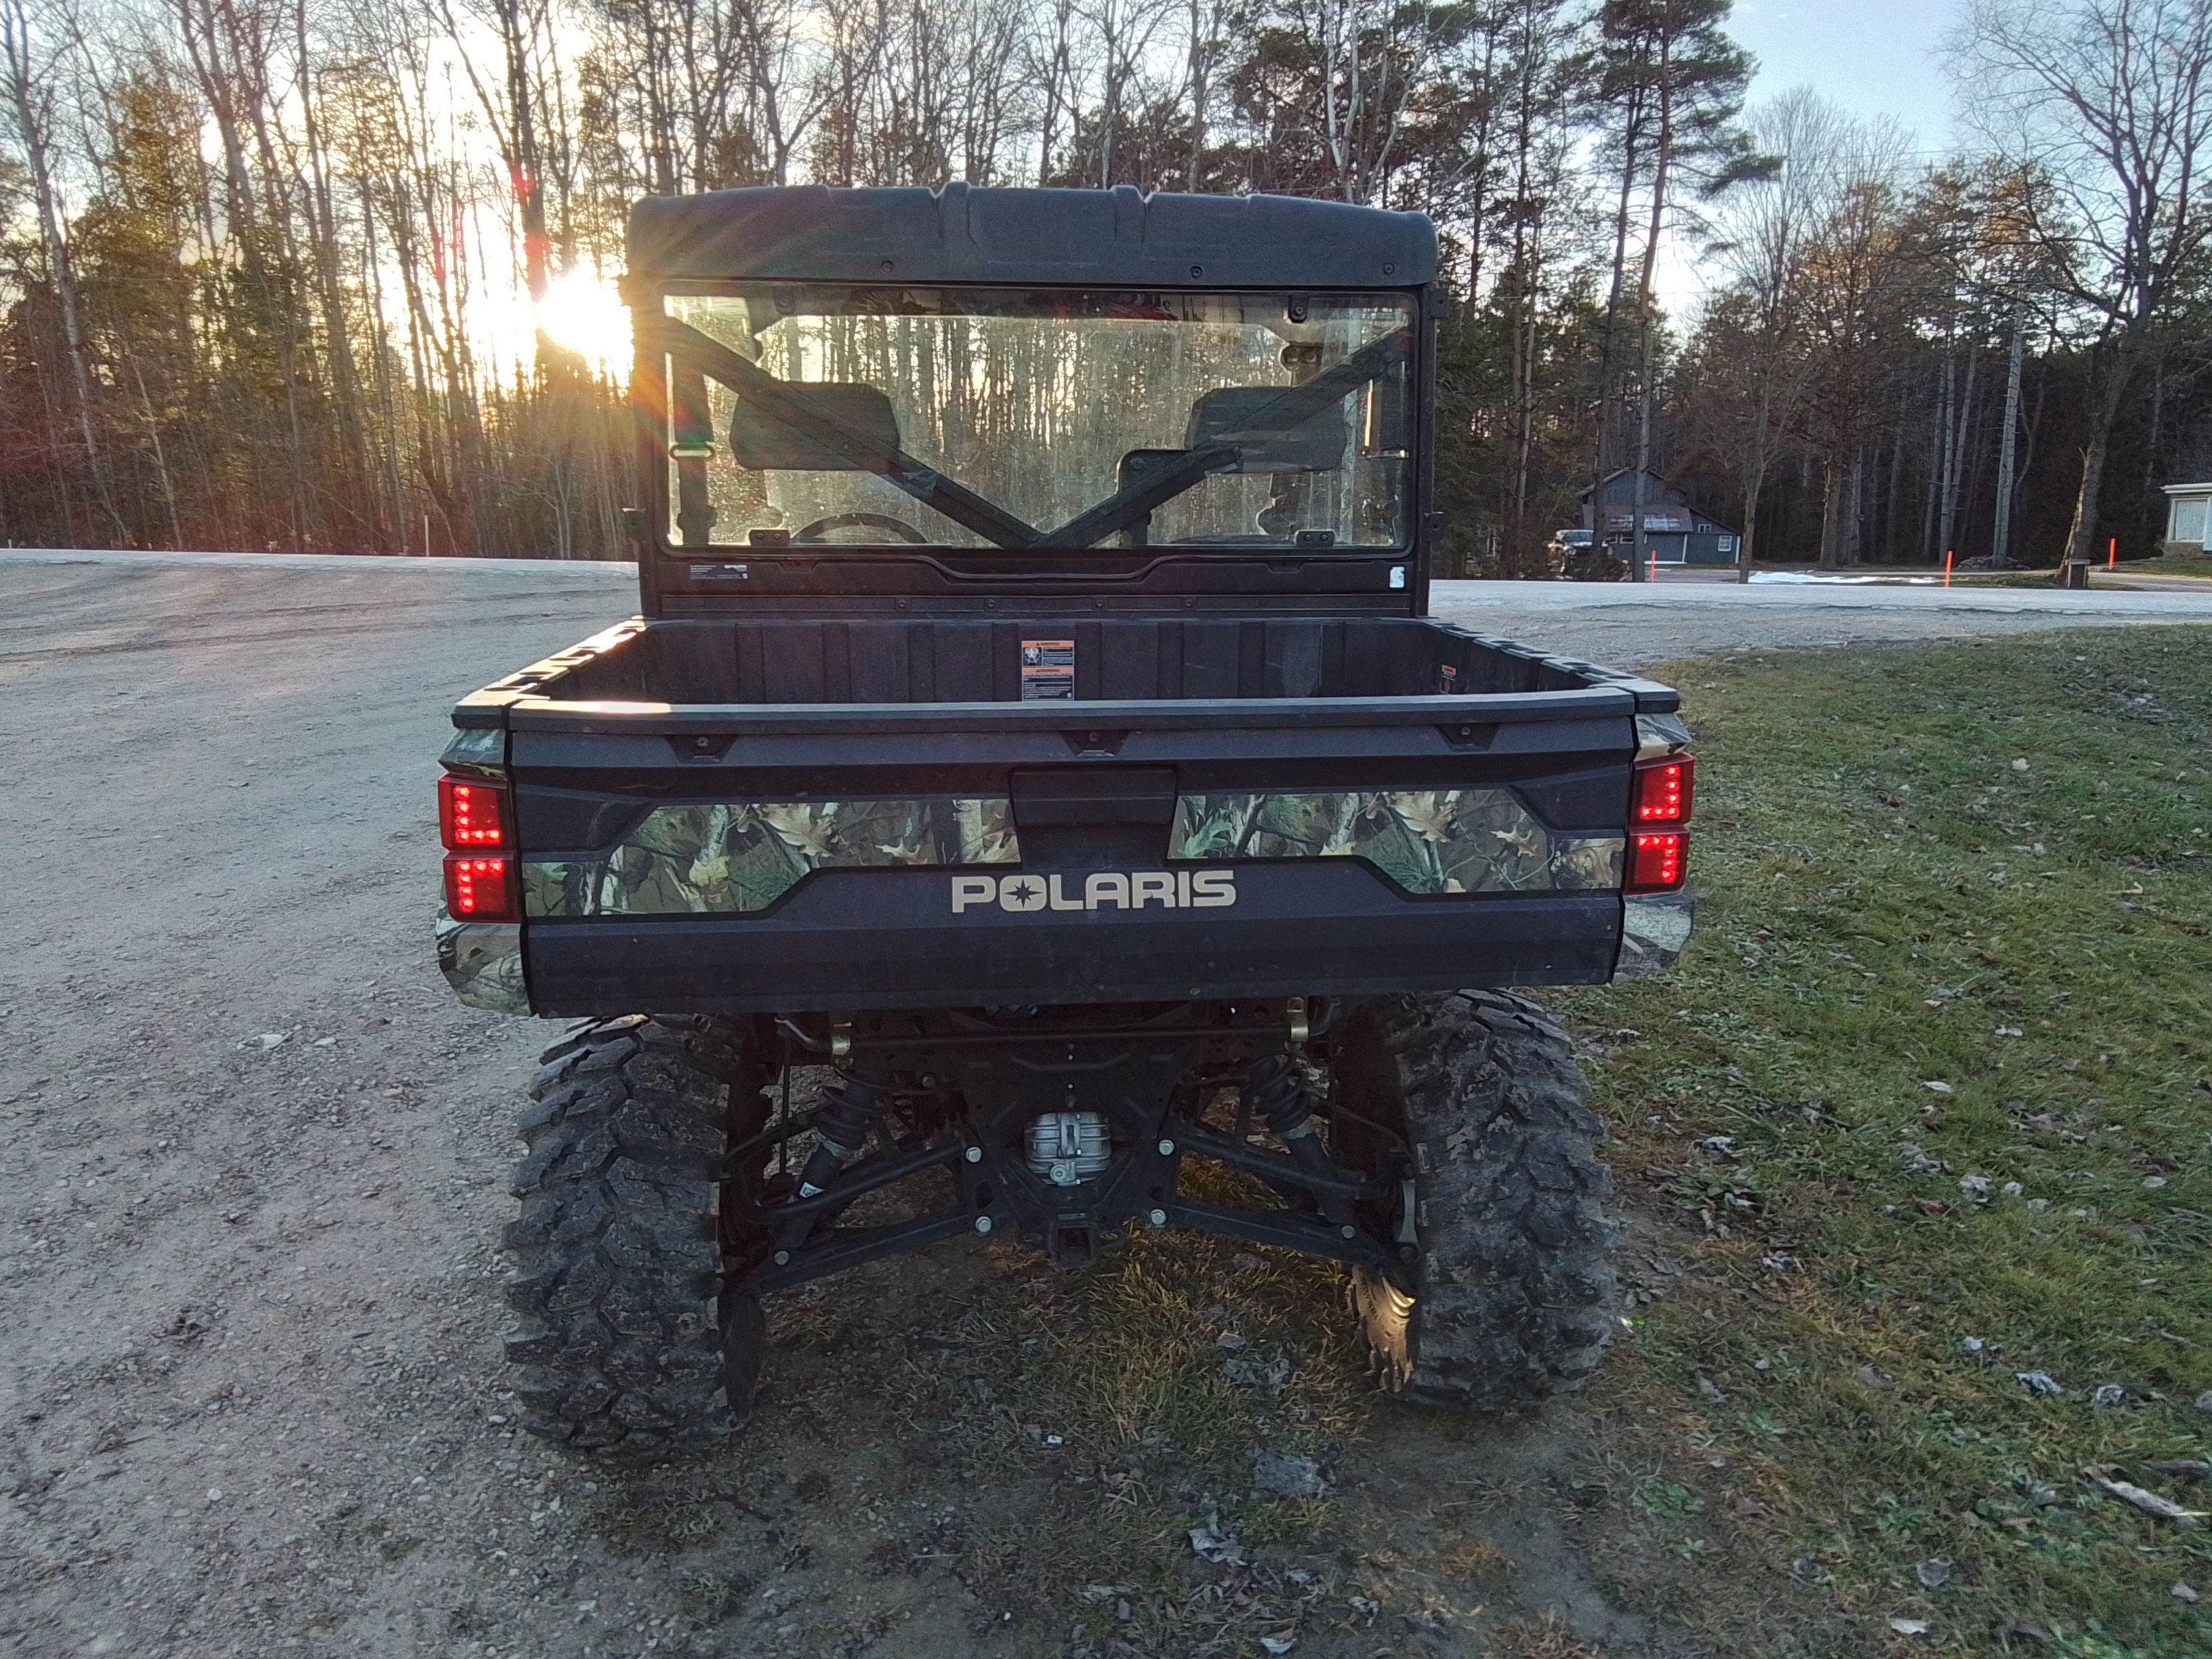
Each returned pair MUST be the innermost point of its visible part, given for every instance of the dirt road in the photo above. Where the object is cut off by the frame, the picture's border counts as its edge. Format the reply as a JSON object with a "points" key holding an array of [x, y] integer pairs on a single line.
{"points": [[250, 1402]]}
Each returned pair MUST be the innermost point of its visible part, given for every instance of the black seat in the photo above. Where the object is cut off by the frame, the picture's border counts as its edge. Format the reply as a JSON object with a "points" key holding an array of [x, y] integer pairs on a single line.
{"points": [[1317, 444], [764, 443]]}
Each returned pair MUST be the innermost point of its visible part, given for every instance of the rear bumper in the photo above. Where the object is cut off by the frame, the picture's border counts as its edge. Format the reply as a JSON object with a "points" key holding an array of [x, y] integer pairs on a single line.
{"points": [[891, 939]]}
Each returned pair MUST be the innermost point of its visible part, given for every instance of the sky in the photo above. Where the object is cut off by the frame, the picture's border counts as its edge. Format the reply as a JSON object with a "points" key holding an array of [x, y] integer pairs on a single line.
{"points": [[1872, 56]]}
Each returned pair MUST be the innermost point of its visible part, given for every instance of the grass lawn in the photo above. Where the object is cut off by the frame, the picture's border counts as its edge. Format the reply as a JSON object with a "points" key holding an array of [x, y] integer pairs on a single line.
{"points": [[2171, 565], [1922, 1125], [2198, 568]]}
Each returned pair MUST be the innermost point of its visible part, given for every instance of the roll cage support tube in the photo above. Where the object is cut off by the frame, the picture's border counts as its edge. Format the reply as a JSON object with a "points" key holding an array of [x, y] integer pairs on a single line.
{"points": [[1298, 405], [787, 400]]}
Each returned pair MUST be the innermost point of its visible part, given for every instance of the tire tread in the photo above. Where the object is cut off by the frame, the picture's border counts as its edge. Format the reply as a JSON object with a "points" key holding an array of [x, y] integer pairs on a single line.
{"points": [[1514, 1291], [617, 1262]]}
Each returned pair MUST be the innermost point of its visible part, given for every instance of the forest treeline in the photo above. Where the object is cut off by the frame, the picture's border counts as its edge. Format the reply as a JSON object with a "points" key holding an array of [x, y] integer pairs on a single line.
{"points": [[267, 269]]}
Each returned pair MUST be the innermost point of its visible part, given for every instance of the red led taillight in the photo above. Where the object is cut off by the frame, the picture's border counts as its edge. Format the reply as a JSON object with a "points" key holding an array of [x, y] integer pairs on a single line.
{"points": [[473, 817], [470, 813], [1662, 791], [1658, 860], [479, 889]]}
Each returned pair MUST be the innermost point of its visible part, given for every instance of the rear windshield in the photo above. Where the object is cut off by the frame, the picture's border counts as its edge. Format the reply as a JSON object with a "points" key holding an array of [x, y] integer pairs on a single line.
{"points": [[805, 416]]}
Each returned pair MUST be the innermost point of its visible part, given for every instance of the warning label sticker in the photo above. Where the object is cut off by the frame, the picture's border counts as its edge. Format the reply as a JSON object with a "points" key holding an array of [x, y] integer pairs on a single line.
{"points": [[1047, 669]]}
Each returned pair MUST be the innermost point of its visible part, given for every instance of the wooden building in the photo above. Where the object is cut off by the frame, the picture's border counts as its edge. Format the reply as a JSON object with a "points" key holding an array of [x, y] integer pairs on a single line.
{"points": [[1673, 529]]}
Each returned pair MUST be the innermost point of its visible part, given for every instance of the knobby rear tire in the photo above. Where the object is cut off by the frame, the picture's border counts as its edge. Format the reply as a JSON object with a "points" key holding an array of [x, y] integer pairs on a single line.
{"points": [[625, 1343], [1507, 1300]]}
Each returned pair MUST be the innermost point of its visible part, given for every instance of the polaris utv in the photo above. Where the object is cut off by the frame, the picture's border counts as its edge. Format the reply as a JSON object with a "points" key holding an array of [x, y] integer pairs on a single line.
{"points": [[1034, 727]]}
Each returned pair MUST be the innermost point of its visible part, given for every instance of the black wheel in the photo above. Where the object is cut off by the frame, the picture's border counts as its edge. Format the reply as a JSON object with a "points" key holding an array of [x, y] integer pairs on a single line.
{"points": [[627, 1343], [1506, 1295]]}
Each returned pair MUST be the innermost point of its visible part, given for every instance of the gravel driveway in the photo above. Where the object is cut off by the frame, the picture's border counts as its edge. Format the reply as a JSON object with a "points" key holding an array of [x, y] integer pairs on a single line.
{"points": [[250, 1402], [1632, 625]]}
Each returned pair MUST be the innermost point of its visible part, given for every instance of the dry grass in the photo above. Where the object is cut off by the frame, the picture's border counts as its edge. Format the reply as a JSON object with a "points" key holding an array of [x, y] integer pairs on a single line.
{"points": [[1547, 1637]]}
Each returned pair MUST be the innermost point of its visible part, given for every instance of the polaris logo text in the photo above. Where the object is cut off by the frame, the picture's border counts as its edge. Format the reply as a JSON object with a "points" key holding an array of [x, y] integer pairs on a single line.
{"points": [[1176, 890]]}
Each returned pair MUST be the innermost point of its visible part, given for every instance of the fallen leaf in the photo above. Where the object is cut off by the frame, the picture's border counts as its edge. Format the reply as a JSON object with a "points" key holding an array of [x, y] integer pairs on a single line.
{"points": [[1932, 1575], [1936, 1088], [1911, 1626], [1259, 1374], [2040, 1382], [2149, 1502], [1210, 1542]]}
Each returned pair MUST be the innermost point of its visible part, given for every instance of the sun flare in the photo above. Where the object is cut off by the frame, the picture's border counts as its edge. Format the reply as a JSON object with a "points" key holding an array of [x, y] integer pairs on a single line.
{"points": [[584, 313]]}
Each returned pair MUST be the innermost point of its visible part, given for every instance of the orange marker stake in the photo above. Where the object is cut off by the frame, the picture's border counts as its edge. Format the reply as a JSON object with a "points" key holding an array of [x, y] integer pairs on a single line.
{"points": [[1654, 564], [2113, 553], [1946, 567]]}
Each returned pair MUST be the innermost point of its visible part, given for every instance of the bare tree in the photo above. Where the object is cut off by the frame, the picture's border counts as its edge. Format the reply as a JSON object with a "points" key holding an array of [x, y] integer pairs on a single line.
{"points": [[1677, 82], [2106, 105], [1766, 234], [28, 89]]}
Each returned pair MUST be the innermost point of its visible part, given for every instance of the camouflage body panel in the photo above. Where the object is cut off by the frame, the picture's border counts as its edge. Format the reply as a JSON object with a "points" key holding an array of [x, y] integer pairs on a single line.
{"points": [[732, 857], [1429, 841], [1655, 928], [482, 962], [1660, 734], [480, 751]]}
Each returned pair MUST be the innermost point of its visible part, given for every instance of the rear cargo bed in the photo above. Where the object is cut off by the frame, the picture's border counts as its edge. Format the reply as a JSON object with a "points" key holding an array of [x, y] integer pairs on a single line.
{"points": [[921, 660]]}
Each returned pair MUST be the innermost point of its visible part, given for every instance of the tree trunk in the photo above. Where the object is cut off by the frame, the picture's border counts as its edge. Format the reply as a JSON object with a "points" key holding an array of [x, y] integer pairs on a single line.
{"points": [[1203, 39], [1754, 481], [1643, 465], [1947, 482], [2104, 409], [1608, 377], [2001, 536], [1831, 490], [32, 130], [1851, 528]]}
